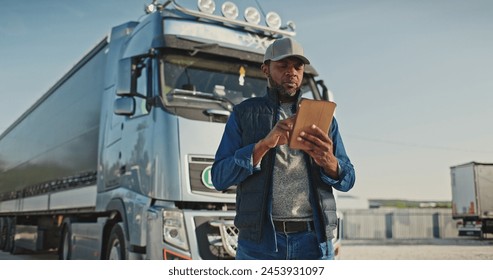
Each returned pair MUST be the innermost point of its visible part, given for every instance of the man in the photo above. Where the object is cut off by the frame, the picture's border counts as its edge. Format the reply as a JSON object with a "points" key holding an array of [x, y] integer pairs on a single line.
{"points": [[285, 208]]}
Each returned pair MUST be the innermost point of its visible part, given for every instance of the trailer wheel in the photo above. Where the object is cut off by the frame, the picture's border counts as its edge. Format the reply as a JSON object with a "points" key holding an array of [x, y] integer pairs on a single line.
{"points": [[116, 244], [65, 249]]}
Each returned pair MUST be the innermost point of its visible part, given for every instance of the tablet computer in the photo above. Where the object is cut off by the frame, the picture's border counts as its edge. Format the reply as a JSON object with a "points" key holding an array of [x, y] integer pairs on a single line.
{"points": [[309, 112]]}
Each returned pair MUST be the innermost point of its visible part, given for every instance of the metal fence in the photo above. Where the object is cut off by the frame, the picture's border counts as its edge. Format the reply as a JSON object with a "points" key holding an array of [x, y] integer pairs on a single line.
{"points": [[398, 224]]}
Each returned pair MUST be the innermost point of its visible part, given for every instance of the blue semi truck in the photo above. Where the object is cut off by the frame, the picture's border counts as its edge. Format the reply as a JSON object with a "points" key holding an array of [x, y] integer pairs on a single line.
{"points": [[113, 162]]}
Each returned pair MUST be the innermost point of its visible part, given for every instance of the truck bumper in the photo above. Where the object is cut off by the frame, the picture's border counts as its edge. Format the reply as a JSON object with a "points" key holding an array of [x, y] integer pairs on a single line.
{"points": [[210, 235], [470, 232]]}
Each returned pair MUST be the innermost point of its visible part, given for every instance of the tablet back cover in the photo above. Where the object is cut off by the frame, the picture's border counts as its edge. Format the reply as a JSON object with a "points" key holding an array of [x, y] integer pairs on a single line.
{"points": [[318, 112]]}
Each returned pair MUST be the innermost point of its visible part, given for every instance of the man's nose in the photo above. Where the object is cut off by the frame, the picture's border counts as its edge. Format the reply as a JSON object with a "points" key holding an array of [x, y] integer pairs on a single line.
{"points": [[291, 70]]}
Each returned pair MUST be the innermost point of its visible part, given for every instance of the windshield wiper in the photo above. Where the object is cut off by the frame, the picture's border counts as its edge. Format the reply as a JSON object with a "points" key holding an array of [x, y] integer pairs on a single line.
{"points": [[188, 94]]}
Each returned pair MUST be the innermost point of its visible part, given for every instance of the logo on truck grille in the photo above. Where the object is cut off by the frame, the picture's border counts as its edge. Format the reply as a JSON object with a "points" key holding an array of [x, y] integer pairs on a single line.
{"points": [[199, 168], [207, 177]]}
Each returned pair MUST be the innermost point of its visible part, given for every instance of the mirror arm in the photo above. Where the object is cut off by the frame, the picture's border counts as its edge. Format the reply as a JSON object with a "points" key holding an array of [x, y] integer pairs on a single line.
{"points": [[325, 91]]}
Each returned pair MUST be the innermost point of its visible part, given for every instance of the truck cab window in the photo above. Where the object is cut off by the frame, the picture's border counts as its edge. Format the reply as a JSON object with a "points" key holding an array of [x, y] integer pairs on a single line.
{"points": [[307, 91]]}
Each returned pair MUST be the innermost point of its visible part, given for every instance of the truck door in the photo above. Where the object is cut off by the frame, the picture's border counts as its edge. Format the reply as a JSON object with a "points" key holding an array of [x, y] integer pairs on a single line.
{"points": [[137, 132], [111, 154]]}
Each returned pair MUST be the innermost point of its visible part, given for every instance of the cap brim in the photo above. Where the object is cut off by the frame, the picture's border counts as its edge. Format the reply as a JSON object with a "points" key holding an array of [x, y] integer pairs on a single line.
{"points": [[302, 58]]}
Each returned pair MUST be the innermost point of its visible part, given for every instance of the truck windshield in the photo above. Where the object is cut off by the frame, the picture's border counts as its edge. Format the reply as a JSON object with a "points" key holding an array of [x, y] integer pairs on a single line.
{"points": [[201, 88], [203, 83]]}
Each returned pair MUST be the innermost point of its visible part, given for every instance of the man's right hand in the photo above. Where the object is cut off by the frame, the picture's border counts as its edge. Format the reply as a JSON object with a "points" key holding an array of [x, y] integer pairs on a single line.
{"points": [[279, 135]]}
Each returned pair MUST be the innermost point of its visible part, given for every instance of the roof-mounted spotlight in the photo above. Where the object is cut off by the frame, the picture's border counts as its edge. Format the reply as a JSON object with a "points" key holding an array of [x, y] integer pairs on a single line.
{"points": [[229, 10], [291, 25], [155, 6], [252, 15], [151, 8], [206, 6], [273, 20]]}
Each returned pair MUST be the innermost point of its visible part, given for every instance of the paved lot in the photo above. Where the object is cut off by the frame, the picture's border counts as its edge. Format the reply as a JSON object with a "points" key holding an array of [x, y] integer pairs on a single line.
{"points": [[37, 256], [435, 249]]}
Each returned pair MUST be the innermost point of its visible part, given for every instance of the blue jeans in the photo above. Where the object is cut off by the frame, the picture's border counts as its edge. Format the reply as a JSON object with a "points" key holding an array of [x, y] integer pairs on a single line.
{"points": [[291, 246]]}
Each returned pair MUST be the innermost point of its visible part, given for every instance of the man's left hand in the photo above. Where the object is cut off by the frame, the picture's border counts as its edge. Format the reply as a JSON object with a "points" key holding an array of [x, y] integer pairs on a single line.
{"points": [[319, 147]]}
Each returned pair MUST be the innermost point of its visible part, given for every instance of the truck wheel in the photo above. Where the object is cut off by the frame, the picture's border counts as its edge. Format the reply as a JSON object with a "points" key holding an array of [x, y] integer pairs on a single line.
{"points": [[65, 248], [116, 244]]}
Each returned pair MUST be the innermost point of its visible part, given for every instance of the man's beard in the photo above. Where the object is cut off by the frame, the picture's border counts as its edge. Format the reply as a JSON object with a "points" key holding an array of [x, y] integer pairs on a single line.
{"points": [[281, 91]]}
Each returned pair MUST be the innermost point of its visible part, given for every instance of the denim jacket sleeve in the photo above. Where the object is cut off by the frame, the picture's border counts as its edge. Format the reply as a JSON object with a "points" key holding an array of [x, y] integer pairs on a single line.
{"points": [[233, 162], [346, 169]]}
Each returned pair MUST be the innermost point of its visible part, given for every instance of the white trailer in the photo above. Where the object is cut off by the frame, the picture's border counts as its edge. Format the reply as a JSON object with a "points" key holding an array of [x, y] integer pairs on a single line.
{"points": [[472, 198]]}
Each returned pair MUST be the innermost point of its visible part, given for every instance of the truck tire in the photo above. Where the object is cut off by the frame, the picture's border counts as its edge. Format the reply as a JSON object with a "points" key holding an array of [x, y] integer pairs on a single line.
{"points": [[116, 249], [65, 248]]}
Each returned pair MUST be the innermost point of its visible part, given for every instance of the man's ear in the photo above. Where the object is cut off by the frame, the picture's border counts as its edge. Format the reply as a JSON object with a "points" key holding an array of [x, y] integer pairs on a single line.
{"points": [[265, 69]]}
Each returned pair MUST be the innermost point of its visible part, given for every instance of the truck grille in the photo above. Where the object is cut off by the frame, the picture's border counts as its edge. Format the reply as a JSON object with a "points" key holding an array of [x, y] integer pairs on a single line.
{"points": [[217, 238], [199, 170], [229, 235]]}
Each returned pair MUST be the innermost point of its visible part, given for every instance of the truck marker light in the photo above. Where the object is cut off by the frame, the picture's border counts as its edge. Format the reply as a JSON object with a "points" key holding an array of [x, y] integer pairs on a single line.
{"points": [[170, 255]]}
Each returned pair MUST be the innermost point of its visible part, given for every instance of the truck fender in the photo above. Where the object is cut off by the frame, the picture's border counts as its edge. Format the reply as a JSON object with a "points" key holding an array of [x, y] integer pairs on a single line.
{"points": [[118, 213]]}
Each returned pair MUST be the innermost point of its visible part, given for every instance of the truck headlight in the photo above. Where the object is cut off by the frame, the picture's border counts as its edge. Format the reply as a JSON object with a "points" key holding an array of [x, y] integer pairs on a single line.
{"points": [[174, 231]]}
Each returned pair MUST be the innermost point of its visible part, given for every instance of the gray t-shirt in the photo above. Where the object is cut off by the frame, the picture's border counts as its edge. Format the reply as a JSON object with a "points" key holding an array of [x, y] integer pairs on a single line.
{"points": [[290, 200]]}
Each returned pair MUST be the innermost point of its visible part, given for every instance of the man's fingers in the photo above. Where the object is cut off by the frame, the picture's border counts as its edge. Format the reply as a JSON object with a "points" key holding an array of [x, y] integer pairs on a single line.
{"points": [[318, 132], [285, 124], [310, 140]]}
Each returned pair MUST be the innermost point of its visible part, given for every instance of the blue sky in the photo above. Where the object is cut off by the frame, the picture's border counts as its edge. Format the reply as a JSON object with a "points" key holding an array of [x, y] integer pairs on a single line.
{"points": [[413, 80]]}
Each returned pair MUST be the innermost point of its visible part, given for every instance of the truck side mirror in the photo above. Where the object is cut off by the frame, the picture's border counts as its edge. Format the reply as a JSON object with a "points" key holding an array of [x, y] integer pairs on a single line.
{"points": [[326, 93], [124, 79], [124, 106]]}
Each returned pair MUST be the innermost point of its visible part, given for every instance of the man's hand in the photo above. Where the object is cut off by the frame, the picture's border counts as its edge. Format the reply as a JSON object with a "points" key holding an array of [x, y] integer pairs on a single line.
{"points": [[279, 135], [319, 146]]}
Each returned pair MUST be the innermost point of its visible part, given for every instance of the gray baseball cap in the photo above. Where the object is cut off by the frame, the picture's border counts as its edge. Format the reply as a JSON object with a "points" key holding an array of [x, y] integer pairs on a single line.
{"points": [[284, 47]]}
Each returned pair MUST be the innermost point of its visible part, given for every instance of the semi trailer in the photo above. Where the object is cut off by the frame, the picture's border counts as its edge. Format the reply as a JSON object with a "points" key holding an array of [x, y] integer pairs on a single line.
{"points": [[113, 161], [472, 198]]}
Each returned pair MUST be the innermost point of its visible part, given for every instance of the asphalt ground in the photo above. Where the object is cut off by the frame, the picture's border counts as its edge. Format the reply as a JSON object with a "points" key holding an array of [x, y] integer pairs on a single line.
{"points": [[420, 249]]}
